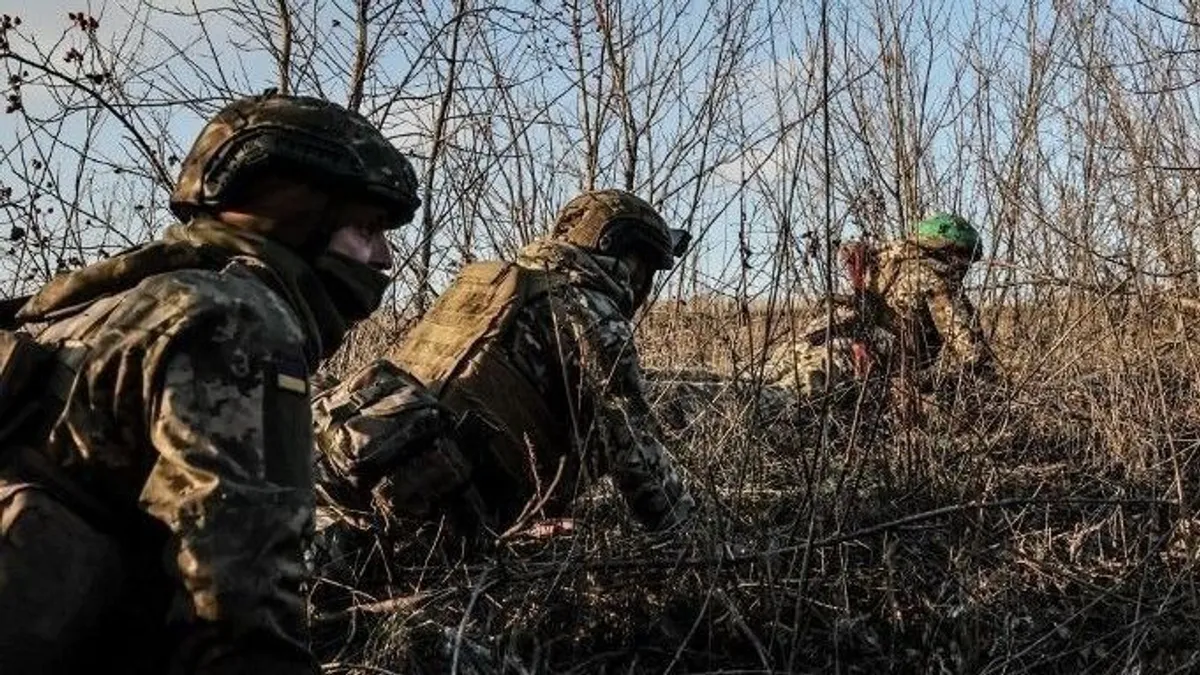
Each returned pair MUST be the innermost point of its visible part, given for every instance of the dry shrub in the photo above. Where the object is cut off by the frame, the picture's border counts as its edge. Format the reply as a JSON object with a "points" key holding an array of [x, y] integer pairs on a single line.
{"points": [[1045, 524]]}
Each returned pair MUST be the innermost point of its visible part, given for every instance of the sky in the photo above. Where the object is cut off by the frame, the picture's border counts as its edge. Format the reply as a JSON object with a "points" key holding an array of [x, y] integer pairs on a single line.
{"points": [[774, 87]]}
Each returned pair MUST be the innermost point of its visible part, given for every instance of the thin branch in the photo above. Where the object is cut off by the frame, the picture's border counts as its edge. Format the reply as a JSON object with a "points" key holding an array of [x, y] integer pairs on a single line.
{"points": [[285, 50]]}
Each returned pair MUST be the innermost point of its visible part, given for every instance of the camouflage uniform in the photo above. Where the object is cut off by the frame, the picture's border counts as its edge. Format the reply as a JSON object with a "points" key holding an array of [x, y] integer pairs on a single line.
{"points": [[824, 358], [184, 406], [929, 310], [556, 380], [915, 314], [576, 345], [385, 447], [155, 511]]}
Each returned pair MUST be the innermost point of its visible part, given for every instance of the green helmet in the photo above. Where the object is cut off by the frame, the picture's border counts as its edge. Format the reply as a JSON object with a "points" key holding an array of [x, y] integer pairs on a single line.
{"points": [[948, 231], [615, 222], [300, 136]]}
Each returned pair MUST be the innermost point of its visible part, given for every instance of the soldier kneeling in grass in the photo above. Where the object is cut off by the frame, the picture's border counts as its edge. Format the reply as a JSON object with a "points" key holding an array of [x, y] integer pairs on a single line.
{"points": [[908, 323], [517, 391]]}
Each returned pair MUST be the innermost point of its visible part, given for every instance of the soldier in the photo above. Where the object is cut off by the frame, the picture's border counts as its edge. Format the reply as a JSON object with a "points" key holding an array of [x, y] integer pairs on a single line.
{"points": [[908, 313], [155, 507], [537, 357]]}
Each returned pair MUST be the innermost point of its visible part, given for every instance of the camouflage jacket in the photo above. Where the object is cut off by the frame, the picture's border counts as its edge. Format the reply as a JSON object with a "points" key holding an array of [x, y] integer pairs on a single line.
{"points": [[555, 365], [576, 345], [185, 428], [927, 309], [919, 316]]}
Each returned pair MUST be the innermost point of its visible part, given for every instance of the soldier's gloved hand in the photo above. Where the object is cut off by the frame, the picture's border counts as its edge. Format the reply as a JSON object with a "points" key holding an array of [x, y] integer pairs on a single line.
{"points": [[549, 527]]}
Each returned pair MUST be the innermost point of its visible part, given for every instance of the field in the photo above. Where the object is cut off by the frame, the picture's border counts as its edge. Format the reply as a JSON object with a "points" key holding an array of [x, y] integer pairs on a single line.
{"points": [[1044, 525]]}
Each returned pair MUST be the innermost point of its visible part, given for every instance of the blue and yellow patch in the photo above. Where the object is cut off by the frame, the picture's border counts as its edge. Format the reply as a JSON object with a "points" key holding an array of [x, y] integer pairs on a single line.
{"points": [[291, 374]]}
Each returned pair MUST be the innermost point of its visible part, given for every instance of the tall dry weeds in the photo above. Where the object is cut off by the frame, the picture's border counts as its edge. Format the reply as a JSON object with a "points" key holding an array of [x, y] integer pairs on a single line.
{"points": [[1045, 524]]}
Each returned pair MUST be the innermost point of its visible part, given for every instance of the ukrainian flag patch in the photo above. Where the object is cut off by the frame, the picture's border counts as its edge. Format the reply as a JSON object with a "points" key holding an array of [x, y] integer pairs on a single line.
{"points": [[291, 374]]}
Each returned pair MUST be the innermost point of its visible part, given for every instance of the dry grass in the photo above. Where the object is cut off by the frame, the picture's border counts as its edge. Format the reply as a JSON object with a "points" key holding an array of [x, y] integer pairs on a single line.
{"points": [[1047, 525]]}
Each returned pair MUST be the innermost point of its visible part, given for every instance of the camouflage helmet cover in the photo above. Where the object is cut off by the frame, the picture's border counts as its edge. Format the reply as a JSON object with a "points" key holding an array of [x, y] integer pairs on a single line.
{"points": [[615, 221], [949, 231], [298, 136]]}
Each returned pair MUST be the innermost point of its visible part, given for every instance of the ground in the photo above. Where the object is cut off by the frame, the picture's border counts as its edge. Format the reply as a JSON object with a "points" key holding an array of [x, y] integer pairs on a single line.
{"points": [[1046, 524]]}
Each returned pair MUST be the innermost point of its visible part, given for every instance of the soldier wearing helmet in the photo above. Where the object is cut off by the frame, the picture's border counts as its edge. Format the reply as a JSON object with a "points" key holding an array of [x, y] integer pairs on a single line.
{"points": [[907, 315], [161, 489], [537, 359]]}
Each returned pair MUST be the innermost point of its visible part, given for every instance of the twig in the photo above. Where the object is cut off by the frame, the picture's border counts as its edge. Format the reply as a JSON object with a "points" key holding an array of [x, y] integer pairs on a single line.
{"points": [[397, 604], [285, 50], [350, 667], [480, 588], [164, 178], [735, 615], [534, 505], [827, 542]]}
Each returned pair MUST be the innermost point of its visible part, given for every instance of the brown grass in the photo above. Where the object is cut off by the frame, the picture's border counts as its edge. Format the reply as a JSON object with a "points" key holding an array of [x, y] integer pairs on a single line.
{"points": [[1045, 525]]}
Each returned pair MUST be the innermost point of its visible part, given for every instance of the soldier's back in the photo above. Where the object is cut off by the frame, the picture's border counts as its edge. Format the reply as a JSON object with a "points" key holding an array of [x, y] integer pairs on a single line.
{"points": [[81, 573]]}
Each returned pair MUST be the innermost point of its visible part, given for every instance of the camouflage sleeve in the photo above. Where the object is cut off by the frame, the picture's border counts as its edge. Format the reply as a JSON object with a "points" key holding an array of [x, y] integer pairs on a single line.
{"points": [[231, 425], [388, 439], [958, 324], [625, 427]]}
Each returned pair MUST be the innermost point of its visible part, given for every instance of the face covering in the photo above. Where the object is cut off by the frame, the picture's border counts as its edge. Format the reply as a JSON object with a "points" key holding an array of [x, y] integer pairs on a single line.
{"points": [[356, 288]]}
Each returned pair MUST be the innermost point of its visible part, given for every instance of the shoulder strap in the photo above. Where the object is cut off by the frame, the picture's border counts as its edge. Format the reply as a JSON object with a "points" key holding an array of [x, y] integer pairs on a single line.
{"points": [[23, 363], [38, 373]]}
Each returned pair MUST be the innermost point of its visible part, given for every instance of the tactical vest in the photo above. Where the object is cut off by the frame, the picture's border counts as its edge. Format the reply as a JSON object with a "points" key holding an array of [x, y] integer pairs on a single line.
{"points": [[459, 350]]}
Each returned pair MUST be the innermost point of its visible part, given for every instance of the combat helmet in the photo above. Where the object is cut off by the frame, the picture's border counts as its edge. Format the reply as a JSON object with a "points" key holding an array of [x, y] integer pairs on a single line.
{"points": [[615, 222], [299, 136], [949, 232]]}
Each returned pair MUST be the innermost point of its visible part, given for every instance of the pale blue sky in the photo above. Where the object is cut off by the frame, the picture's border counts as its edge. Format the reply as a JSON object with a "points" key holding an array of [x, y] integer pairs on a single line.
{"points": [[767, 105]]}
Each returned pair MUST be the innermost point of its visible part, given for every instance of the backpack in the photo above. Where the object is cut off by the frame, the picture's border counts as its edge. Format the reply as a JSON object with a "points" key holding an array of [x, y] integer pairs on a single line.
{"points": [[23, 364], [384, 439]]}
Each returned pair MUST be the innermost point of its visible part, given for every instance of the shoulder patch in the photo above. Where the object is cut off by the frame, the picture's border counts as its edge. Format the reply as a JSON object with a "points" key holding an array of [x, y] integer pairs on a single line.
{"points": [[291, 374]]}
